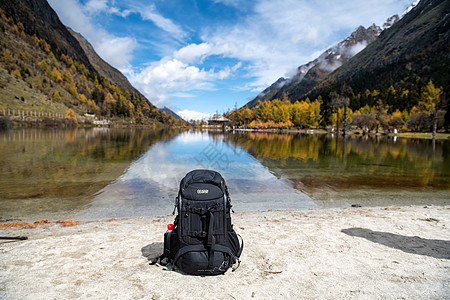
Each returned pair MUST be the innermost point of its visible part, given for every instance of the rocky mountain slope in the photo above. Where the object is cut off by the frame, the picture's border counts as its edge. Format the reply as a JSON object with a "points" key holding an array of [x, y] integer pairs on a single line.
{"points": [[170, 112], [105, 69], [41, 20], [310, 74], [108, 71], [407, 55], [396, 66]]}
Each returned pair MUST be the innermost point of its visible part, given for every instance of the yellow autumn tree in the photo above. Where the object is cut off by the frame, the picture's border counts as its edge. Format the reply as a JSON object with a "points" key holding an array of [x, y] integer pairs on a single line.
{"points": [[55, 75], [341, 115], [71, 115], [314, 110], [83, 98], [57, 96], [395, 120], [43, 66], [429, 101]]}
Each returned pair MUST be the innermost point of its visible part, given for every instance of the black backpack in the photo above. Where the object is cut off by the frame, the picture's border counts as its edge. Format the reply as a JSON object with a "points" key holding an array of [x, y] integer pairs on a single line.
{"points": [[203, 241]]}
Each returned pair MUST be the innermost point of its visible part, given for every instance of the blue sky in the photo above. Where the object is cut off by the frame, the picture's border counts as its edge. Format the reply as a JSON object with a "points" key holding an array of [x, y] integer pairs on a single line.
{"points": [[199, 57]]}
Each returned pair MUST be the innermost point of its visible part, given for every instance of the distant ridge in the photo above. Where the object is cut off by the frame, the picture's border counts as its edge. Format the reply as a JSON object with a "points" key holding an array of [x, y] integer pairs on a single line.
{"points": [[310, 74], [391, 71], [170, 112], [407, 55], [101, 66]]}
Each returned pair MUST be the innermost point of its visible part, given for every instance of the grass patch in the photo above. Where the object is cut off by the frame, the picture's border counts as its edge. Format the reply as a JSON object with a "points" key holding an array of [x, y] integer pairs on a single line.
{"points": [[422, 135], [16, 94]]}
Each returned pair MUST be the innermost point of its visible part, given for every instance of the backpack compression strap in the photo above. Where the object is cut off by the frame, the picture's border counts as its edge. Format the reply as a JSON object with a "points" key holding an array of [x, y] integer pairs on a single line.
{"points": [[200, 248], [211, 241], [209, 234]]}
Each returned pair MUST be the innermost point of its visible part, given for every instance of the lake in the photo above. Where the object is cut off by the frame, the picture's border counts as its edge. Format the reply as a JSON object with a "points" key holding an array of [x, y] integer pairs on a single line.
{"points": [[101, 173]]}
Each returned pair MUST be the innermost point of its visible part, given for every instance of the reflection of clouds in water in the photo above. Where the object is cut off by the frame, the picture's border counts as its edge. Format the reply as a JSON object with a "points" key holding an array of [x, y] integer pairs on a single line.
{"points": [[151, 183], [189, 137], [155, 166], [166, 163]]}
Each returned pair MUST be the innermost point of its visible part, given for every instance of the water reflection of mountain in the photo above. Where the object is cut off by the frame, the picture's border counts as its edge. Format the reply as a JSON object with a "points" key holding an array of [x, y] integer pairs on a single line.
{"points": [[61, 169], [321, 163]]}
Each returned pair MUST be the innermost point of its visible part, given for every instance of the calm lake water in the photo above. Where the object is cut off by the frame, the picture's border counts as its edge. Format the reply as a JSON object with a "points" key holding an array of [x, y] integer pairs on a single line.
{"points": [[100, 173]]}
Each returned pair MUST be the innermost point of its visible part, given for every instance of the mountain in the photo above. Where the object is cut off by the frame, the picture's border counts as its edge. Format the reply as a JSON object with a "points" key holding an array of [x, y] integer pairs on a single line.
{"points": [[105, 69], [170, 112], [406, 56], [310, 74], [394, 68], [46, 67], [41, 20]]}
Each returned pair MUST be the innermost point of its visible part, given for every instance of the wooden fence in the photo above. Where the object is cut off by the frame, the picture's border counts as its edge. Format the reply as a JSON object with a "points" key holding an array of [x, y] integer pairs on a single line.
{"points": [[23, 114]]}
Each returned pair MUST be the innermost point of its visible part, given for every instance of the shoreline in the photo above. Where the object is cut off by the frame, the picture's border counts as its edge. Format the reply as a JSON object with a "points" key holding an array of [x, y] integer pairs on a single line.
{"points": [[369, 252], [65, 123], [320, 131], [339, 201]]}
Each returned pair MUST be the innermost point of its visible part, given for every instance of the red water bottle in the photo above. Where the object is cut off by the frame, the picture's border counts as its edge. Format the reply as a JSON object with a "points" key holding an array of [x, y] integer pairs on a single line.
{"points": [[167, 237]]}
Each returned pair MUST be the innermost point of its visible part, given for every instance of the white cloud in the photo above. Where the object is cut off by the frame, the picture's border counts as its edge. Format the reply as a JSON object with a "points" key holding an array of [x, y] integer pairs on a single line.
{"points": [[95, 6], [194, 52], [193, 115], [115, 50], [72, 14], [171, 76], [270, 40], [330, 67], [357, 48], [150, 13], [183, 95], [280, 35]]}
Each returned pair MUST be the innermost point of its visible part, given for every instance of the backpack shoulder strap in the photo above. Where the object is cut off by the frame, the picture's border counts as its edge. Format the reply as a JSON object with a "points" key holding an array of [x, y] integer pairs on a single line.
{"points": [[241, 247]]}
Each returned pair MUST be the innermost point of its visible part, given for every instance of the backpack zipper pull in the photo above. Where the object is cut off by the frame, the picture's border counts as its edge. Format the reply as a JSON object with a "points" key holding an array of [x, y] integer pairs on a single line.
{"points": [[187, 211]]}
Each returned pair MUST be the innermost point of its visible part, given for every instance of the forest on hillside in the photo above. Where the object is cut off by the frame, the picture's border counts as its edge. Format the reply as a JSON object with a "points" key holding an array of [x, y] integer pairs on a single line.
{"points": [[387, 84], [372, 110], [37, 75]]}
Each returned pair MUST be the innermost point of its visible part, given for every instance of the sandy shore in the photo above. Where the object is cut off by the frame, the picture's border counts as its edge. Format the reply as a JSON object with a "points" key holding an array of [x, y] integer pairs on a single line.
{"points": [[390, 253]]}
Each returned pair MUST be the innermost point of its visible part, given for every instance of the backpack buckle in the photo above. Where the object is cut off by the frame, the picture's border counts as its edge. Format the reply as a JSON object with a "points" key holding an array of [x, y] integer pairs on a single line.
{"points": [[199, 211], [201, 234]]}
